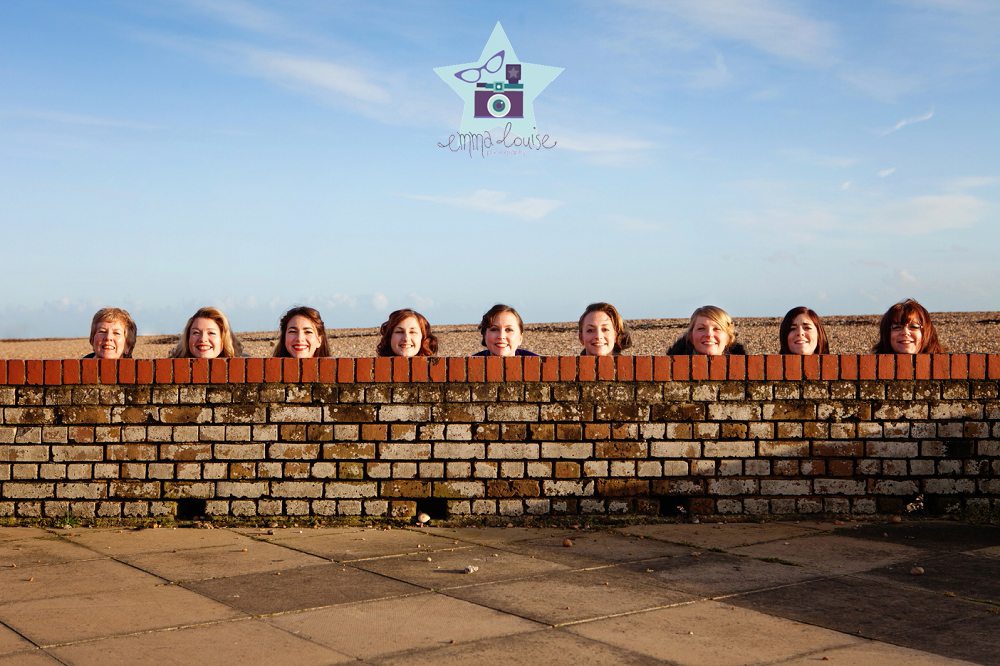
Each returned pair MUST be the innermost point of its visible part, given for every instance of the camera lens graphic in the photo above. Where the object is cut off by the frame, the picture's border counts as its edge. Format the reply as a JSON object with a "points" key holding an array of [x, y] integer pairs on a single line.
{"points": [[499, 106]]}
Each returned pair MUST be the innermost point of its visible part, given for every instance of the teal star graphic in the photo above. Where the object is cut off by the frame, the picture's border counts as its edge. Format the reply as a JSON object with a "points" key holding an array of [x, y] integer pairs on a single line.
{"points": [[500, 90]]}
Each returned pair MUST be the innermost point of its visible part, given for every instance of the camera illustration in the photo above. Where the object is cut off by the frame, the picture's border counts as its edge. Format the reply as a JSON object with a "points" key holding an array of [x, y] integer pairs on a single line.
{"points": [[501, 99]]}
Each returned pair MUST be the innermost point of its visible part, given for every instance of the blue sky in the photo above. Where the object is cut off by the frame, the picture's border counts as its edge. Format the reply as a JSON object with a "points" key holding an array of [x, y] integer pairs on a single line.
{"points": [[754, 154]]}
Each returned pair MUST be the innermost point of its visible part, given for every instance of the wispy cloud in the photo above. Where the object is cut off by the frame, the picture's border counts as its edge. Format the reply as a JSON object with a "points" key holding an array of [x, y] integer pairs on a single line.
{"points": [[380, 301], [772, 26], [632, 223], [828, 161], [321, 75], [881, 84], [528, 209], [884, 173], [925, 214], [712, 77], [969, 182], [907, 121], [92, 121]]}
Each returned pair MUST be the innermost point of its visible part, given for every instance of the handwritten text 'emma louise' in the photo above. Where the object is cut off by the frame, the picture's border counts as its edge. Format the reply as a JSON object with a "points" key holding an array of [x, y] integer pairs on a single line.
{"points": [[482, 143]]}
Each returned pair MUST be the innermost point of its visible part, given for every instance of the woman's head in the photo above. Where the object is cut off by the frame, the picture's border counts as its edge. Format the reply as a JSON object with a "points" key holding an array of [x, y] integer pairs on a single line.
{"points": [[406, 333], [502, 330], [906, 328], [302, 334], [602, 330], [711, 331], [801, 332], [112, 333], [207, 335]]}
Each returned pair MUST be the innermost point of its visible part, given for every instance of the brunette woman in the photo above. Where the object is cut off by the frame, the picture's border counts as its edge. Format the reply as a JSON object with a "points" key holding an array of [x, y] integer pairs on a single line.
{"points": [[502, 332], [801, 332], [602, 331], [302, 334], [406, 333]]}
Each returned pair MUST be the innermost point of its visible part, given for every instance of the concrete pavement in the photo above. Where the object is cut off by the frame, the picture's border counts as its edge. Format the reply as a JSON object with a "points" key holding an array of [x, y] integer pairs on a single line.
{"points": [[740, 593]]}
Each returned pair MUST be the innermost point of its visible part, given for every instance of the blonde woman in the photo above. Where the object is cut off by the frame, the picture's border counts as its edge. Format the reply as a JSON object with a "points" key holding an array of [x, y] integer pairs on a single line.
{"points": [[207, 335], [711, 332]]}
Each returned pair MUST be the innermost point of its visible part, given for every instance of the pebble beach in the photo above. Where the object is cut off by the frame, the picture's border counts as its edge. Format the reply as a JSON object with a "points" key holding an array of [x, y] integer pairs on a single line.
{"points": [[960, 332]]}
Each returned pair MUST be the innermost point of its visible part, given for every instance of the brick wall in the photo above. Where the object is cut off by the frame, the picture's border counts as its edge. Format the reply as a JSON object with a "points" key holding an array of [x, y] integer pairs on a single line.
{"points": [[556, 435]]}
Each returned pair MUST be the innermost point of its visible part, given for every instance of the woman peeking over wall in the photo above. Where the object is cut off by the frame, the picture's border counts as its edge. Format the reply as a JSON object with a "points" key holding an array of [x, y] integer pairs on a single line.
{"points": [[711, 331], [502, 331], [406, 333], [906, 328], [302, 335], [801, 332], [112, 334], [207, 335], [602, 331]]}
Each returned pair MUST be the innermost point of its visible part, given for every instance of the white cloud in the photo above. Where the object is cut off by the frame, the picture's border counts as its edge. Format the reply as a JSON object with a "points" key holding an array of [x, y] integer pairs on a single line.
{"points": [[846, 185], [907, 121], [925, 214], [93, 121], [716, 76], [600, 143], [969, 183], [632, 224], [240, 14], [380, 301], [772, 26], [880, 84], [528, 209], [318, 74], [886, 172], [905, 277], [420, 301]]}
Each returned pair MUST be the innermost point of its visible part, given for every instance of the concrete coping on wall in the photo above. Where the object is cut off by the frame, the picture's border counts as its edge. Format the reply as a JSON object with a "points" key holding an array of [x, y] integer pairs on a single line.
{"points": [[19, 372]]}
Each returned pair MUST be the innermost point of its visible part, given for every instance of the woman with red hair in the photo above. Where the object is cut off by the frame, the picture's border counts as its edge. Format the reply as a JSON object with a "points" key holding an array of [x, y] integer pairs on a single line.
{"points": [[906, 328], [406, 333]]}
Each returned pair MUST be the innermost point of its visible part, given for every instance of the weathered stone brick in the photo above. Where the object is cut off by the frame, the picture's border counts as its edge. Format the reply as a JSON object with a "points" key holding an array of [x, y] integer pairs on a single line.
{"points": [[352, 489], [728, 449], [410, 488], [734, 412], [891, 449], [243, 489], [774, 449], [512, 450], [461, 450], [732, 486], [405, 450], [570, 488], [785, 487]]}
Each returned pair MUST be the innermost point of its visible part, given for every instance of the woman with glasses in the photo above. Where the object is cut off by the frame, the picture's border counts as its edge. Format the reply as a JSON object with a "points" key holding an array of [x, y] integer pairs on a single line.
{"points": [[907, 329]]}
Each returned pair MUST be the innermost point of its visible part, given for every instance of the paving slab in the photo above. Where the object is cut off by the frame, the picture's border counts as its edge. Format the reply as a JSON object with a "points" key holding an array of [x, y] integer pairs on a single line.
{"points": [[710, 633], [974, 639], [551, 647], [299, 589], [372, 628], [986, 552], [351, 546], [571, 596], [11, 641], [961, 574], [873, 652], [268, 533], [244, 642], [86, 616], [446, 568], [724, 536], [930, 535], [496, 536], [833, 553], [16, 533], [861, 607], [718, 574], [41, 551], [221, 561], [595, 549], [33, 658], [81, 577], [127, 541]]}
